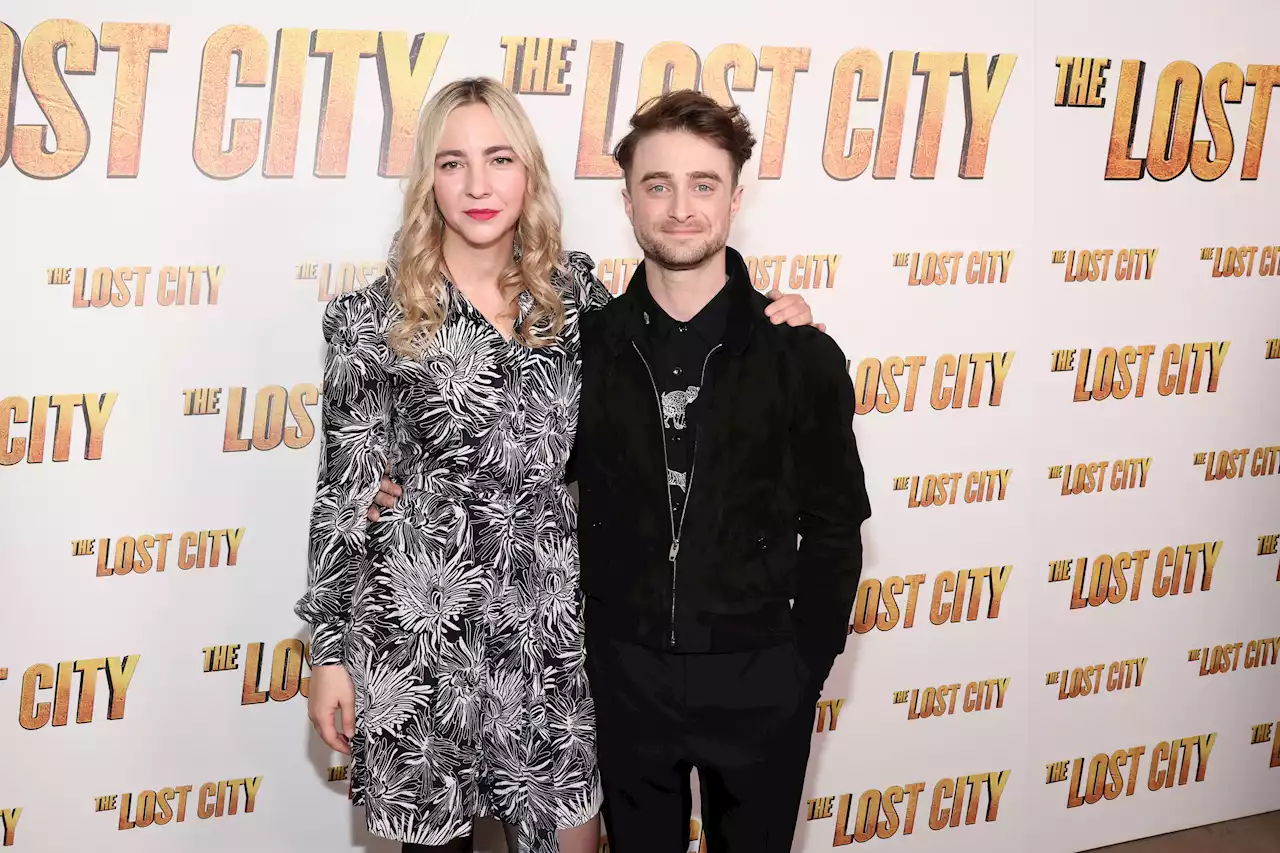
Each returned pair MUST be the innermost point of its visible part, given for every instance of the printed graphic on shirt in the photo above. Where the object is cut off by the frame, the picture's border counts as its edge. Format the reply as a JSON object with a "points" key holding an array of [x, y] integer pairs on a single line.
{"points": [[674, 404]]}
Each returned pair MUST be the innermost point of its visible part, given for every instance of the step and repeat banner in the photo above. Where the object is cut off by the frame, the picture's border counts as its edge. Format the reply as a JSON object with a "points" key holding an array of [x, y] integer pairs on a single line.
{"points": [[1046, 235]]}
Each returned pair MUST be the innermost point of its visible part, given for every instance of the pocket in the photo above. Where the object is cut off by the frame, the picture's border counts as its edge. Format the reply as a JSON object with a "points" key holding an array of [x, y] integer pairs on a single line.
{"points": [[777, 564], [805, 673]]}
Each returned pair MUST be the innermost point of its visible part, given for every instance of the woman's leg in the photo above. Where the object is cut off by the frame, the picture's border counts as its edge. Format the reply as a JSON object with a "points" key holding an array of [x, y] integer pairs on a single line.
{"points": [[581, 839], [513, 837], [578, 839], [462, 844]]}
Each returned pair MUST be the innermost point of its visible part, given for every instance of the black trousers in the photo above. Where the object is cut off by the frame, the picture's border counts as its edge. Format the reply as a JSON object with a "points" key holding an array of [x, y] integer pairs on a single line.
{"points": [[743, 719]]}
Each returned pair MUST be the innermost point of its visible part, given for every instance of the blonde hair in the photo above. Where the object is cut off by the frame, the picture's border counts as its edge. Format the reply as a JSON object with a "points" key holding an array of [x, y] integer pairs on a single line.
{"points": [[418, 284]]}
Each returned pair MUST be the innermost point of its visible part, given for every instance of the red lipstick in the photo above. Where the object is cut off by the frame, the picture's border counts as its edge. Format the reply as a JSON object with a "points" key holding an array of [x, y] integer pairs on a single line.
{"points": [[483, 214]]}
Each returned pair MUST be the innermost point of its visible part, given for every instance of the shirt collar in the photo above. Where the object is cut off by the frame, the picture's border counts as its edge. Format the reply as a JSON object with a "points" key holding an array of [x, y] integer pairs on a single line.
{"points": [[745, 308], [709, 323], [458, 303]]}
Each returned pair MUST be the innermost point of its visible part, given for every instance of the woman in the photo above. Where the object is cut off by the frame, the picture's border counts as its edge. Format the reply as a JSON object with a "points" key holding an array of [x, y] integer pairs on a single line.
{"points": [[447, 634]]}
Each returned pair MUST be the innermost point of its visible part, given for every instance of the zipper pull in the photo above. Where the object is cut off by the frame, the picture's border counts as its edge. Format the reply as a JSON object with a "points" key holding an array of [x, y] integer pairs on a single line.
{"points": [[675, 550]]}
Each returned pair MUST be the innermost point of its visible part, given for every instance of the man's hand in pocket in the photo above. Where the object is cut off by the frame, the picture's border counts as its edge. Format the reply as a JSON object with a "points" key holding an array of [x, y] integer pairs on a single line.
{"points": [[388, 493]]}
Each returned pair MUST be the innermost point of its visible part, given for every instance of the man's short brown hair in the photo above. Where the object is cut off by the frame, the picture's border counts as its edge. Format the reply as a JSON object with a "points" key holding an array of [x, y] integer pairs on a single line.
{"points": [[691, 112]]}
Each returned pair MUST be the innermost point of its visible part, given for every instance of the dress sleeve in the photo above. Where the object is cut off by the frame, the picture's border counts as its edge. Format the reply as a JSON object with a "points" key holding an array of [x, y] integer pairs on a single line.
{"points": [[355, 420]]}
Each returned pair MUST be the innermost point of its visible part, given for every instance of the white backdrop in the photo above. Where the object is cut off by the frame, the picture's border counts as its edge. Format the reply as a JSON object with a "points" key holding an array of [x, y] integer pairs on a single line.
{"points": [[127, 454]]}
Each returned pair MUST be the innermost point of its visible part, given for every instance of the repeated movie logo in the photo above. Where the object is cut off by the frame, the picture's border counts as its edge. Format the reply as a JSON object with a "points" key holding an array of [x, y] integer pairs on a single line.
{"points": [[845, 155], [615, 273], [38, 709], [982, 374], [942, 701], [1232, 464], [953, 802], [335, 279], [938, 268], [1272, 349], [1113, 578], [1267, 547], [794, 272], [1268, 733], [1219, 660], [542, 65], [1111, 775], [134, 286], [1241, 261], [192, 549], [946, 488], [828, 715], [537, 66], [223, 798], [1088, 680], [1113, 369], [1096, 264], [280, 415], [1086, 478], [236, 56], [965, 595], [24, 426], [9, 826], [285, 679], [1182, 94], [798, 272]]}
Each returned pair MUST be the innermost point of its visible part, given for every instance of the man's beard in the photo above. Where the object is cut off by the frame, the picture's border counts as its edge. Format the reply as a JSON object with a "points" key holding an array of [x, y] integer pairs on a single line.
{"points": [[687, 256]]}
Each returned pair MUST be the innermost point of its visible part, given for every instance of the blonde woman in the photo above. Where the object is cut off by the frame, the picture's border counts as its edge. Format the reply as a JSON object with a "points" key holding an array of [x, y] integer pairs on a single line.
{"points": [[447, 634]]}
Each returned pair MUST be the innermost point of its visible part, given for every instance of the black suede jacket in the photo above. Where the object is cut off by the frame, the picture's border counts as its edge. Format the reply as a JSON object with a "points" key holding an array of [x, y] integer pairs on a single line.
{"points": [[775, 456]]}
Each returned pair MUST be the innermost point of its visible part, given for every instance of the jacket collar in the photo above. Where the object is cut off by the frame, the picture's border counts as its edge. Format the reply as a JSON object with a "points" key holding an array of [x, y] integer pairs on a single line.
{"points": [[745, 308]]}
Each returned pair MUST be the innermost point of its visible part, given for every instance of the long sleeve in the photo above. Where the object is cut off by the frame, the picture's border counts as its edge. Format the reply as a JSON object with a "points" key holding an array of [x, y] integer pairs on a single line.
{"points": [[355, 429], [833, 506]]}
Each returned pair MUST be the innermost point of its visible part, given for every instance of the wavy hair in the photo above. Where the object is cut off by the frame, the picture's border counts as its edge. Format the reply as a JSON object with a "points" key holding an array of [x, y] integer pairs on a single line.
{"points": [[418, 282]]}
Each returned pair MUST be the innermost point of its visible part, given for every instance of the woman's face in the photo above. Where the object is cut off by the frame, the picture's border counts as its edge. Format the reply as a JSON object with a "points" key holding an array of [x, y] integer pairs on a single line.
{"points": [[479, 182]]}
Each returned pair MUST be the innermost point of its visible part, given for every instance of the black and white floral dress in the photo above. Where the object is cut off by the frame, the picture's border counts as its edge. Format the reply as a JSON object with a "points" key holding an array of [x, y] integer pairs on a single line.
{"points": [[457, 614]]}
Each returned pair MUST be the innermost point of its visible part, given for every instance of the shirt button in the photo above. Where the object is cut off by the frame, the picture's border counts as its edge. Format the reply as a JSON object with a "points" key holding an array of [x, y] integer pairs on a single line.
{"points": [[683, 327], [676, 372]]}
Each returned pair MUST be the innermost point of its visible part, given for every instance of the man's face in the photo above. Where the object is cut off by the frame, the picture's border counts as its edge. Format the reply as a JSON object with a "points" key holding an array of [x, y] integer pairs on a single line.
{"points": [[680, 198]]}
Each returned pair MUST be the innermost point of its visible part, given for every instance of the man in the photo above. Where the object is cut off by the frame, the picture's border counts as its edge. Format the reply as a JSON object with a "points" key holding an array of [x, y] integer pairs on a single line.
{"points": [[708, 438]]}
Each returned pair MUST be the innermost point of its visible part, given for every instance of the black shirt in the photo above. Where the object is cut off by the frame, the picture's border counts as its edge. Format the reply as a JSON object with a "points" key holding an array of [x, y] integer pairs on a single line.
{"points": [[678, 354]]}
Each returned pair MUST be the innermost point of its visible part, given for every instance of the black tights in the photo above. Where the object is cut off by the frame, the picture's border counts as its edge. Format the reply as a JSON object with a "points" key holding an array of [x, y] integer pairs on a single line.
{"points": [[462, 844]]}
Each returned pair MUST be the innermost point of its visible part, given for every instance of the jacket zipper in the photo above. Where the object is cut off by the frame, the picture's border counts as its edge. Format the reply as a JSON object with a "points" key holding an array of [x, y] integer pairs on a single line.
{"points": [[674, 552]]}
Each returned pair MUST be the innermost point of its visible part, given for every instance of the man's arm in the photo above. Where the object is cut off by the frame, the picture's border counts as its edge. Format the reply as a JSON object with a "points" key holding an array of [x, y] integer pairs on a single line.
{"points": [[571, 466], [833, 504]]}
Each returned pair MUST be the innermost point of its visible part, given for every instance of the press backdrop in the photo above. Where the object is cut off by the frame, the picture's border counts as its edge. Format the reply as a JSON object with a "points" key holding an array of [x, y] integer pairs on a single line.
{"points": [[1045, 235]]}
